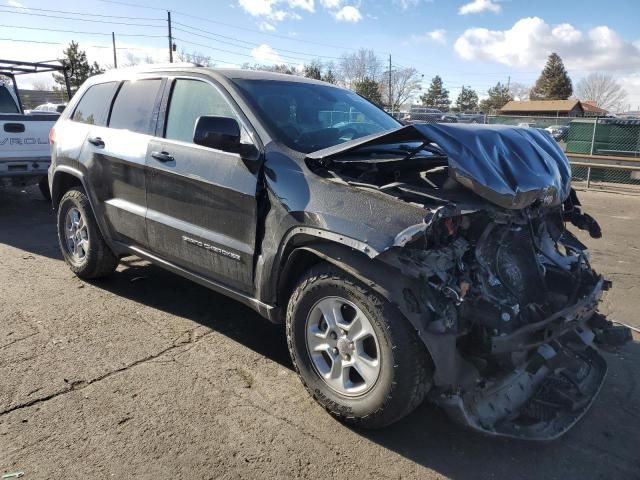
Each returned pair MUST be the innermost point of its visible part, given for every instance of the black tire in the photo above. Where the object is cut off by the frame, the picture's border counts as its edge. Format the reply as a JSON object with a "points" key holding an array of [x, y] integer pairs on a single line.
{"points": [[405, 372], [44, 188], [99, 260]]}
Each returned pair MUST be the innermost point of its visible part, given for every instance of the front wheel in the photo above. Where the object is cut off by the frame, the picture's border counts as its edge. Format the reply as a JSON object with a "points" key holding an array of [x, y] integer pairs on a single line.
{"points": [[354, 351], [81, 242]]}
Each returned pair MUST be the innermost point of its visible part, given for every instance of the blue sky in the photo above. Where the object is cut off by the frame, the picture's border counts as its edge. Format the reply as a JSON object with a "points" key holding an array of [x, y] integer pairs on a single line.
{"points": [[470, 42]]}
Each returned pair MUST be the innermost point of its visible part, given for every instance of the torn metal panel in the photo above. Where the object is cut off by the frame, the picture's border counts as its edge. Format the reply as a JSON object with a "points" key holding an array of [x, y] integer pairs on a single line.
{"points": [[509, 166]]}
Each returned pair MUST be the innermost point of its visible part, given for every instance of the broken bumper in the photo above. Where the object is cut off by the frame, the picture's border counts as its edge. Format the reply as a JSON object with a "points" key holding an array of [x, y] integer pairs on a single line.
{"points": [[543, 399], [540, 402]]}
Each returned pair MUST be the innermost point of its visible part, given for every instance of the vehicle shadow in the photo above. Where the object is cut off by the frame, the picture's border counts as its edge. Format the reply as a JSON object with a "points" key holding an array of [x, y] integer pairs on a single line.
{"points": [[602, 445], [27, 222], [153, 286]]}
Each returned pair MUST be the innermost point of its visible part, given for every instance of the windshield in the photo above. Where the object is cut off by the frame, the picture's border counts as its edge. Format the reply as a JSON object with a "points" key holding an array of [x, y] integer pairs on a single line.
{"points": [[308, 117]]}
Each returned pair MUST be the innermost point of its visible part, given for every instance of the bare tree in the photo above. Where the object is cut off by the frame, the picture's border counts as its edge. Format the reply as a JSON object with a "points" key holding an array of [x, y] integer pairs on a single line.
{"points": [[355, 67], [41, 85], [195, 57], [519, 91], [405, 83], [602, 89]]}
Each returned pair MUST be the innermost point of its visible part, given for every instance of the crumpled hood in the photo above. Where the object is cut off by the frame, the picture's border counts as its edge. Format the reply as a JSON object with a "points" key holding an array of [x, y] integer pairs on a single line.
{"points": [[509, 166]]}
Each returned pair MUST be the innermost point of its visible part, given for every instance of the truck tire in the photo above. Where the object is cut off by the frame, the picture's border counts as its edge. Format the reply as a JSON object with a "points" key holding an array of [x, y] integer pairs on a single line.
{"points": [[44, 188], [354, 351], [81, 242]]}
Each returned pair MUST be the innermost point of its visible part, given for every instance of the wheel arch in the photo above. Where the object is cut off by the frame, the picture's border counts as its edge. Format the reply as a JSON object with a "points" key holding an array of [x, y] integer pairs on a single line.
{"points": [[66, 178]]}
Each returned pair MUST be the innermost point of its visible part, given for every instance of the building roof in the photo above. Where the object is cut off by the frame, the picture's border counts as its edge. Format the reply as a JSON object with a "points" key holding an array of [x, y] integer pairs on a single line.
{"points": [[552, 106], [591, 108], [540, 106]]}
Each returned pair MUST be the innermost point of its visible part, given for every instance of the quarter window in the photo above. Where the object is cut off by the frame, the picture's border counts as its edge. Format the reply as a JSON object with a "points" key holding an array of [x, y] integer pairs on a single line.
{"points": [[133, 107], [94, 104], [191, 99]]}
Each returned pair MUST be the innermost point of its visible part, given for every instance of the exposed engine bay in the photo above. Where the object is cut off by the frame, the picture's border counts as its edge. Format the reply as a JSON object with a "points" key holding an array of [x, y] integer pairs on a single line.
{"points": [[502, 293]]}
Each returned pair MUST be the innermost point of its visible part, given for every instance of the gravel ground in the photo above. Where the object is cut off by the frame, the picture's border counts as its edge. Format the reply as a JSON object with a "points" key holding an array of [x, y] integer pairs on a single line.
{"points": [[146, 375]]}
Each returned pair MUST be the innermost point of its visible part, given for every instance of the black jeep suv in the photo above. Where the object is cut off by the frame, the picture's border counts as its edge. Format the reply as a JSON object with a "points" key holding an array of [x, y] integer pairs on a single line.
{"points": [[406, 261]]}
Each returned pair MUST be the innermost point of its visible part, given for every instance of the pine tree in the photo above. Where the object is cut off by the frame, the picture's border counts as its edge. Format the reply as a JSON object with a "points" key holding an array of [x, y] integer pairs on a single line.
{"points": [[467, 100], [369, 89], [554, 82], [313, 70], [329, 77], [437, 96], [79, 68], [499, 96]]}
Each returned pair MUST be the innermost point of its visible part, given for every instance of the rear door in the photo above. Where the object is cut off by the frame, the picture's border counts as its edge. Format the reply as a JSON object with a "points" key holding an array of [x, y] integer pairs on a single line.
{"points": [[118, 154], [201, 202]]}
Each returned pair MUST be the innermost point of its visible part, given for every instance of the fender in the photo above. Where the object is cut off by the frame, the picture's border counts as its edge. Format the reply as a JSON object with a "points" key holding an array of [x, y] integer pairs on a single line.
{"points": [[100, 219], [449, 366]]}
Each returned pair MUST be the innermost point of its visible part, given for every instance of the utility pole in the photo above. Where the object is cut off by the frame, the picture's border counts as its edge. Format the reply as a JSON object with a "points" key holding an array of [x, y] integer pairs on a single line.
{"points": [[115, 57], [170, 37], [390, 93]]}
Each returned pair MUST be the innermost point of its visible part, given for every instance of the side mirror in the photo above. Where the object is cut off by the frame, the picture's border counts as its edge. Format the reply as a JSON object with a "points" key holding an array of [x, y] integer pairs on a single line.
{"points": [[221, 133]]}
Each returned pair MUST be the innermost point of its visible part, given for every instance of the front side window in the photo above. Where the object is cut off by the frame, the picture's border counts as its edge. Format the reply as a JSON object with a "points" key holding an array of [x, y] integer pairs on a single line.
{"points": [[133, 107], [7, 103], [191, 99], [308, 117], [94, 104]]}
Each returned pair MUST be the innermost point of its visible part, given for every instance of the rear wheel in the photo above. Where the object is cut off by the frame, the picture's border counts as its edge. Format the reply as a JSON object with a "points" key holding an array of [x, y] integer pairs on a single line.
{"points": [[354, 351], [81, 242]]}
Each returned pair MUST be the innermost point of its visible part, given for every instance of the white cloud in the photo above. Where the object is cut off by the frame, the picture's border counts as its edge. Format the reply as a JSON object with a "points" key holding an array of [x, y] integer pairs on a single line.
{"points": [[331, 3], [530, 40], [257, 7], [266, 27], [438, 36], [265, 54], [631, 84], [477, 6], [406, 4], [308, 5], [277, 10], [349, 14], [16, 4]]}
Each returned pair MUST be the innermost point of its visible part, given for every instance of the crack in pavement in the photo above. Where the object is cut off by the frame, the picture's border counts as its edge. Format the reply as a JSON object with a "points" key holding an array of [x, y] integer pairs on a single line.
{"points": [[18, 340], [81, 384]]}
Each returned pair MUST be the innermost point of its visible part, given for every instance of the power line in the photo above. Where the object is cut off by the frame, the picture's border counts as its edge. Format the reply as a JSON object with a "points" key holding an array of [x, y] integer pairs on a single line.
{"points": [[83, 33], [80, 13], [243, 46], [216, 22], [211, 35], [18, 40], [225, 51], [81, 19]]}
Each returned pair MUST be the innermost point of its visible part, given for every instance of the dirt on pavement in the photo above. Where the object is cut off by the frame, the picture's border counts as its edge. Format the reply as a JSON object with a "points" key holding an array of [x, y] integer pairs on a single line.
{"points": [[147, 375]]}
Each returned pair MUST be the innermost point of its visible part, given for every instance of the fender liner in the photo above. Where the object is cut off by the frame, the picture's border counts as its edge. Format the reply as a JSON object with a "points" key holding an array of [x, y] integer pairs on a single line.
{"points": [[450, 369]]}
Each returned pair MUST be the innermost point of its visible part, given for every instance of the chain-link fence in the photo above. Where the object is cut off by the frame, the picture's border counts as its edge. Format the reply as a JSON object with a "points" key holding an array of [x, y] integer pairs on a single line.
{"points": [[530, 120]]}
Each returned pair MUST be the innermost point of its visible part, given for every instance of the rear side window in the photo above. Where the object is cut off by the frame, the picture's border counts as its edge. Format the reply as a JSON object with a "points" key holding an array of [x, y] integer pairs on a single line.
{"points": [[191, 99], [133, 107], [7, 103], [94, 104]]}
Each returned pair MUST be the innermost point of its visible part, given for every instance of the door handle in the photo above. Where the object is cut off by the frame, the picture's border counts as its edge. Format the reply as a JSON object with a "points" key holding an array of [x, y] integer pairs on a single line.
{"points": [[162, 157], [97, 141]]}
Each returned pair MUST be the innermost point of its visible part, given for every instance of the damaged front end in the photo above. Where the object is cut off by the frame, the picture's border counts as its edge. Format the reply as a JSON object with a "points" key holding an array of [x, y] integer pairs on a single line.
{"points": [[501, 293]]}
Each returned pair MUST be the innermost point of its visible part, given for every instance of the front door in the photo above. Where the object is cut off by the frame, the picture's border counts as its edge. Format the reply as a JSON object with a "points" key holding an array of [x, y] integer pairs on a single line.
{"points": [[201, 202]]}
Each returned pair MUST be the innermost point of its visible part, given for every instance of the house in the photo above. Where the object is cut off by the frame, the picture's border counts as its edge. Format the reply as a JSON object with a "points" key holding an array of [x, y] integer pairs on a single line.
{"points": [[552, 108]]}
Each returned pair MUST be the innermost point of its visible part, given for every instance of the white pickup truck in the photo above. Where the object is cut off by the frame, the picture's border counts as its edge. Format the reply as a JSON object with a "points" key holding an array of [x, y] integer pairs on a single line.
{"points": [[24, 144], [25, 154]]}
